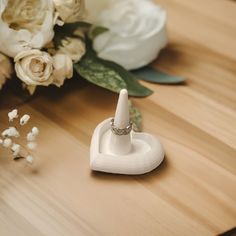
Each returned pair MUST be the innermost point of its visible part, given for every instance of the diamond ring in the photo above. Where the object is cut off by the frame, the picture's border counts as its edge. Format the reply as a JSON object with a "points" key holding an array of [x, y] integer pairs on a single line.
{"points": [[118, 131]]}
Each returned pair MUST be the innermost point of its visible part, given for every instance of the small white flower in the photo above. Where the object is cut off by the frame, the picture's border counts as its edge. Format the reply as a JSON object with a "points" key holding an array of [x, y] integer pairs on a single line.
{"points": [[35, 131], [29, 159], [7, 142], [15, 149], [24, 119], [12, 115], [32, 145], [30, 136], [10, 132]]}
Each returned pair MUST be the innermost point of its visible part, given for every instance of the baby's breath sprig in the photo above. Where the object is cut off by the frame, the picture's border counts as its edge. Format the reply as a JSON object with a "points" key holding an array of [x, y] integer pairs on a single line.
{"points": [[12, 134]]}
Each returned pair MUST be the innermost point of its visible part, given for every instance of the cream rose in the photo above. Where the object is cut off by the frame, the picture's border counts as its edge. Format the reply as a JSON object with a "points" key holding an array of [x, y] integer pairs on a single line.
{"points": [[5, 69], [73, 47], [34, 67], [136, 33], [63, 69], [25, 24], [70, 10]]}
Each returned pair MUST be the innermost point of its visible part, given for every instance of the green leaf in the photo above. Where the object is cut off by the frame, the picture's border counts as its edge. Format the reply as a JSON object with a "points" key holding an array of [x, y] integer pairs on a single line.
{"points": [[108, 74], [91, 69], [95, 31], [68, 30], [155, 76], [133, 86], [135, 117]]}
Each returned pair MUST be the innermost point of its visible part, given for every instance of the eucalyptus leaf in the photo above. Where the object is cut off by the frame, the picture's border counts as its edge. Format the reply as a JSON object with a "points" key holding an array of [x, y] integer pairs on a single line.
{"points": [[133, 86], [96, 30], [135, 117], [155, 76], [91, 69], [108, 74]]}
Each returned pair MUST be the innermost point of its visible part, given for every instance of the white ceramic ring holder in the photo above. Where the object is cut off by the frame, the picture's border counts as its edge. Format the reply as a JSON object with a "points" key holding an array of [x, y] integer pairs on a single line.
{"points": [[131, 154]]}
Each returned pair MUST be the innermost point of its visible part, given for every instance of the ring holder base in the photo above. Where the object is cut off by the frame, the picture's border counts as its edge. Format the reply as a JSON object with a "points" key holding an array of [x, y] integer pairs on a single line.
{"points": [[145, 155]]}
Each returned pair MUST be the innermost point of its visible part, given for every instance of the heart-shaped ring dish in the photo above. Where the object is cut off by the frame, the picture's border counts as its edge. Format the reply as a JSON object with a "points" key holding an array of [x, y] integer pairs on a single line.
{"points": [[146, 153]]}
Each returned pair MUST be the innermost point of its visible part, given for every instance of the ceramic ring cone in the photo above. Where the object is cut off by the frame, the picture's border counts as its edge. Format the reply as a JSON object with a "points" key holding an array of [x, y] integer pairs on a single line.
{"points": [[121, 144], [132, 154]]}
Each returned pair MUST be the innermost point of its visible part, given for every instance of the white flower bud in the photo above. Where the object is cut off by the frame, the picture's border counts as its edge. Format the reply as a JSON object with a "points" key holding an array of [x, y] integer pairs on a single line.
{"points": [[24, 119], [15, 149], [30, 136], [10, 132], [7, 142], [29, 159], [35, 131], [32, 145], [12, 115]]}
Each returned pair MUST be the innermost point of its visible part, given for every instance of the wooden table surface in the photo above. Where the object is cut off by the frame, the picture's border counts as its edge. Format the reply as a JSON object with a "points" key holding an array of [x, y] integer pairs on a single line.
{"points": [[192, 193]]}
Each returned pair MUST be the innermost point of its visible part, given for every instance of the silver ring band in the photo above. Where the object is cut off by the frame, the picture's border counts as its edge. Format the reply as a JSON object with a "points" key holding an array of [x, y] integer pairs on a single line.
{"points": [[118, 131]]}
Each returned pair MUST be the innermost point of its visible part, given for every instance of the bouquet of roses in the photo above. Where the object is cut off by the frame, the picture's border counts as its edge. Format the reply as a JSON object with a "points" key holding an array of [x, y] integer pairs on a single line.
{"points": [[49, 41]]}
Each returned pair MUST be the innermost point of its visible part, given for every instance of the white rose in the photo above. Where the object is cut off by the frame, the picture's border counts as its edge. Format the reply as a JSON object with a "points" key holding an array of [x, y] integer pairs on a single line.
{"points": [[63, 68], [5, 69], [136, 33], [70, 10], [34, 67], [73, 47], [25, 24]]}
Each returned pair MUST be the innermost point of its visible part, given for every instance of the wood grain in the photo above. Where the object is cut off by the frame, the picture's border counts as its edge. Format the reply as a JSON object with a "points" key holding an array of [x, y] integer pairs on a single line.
{"points": [[192, 193]]}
